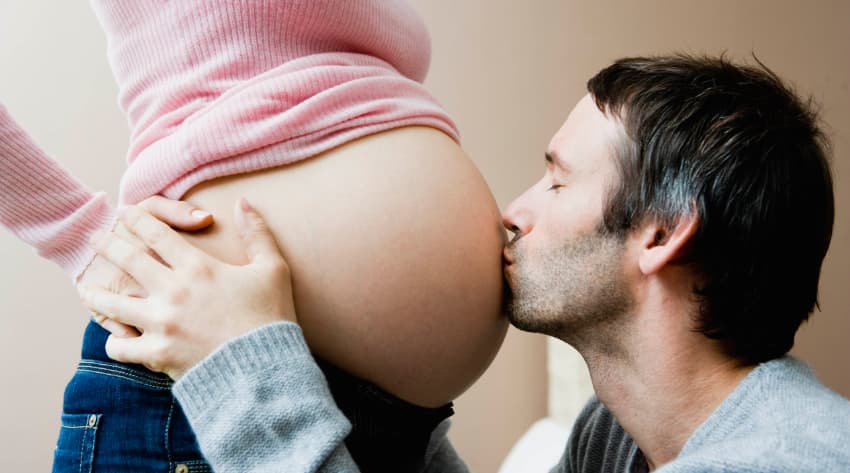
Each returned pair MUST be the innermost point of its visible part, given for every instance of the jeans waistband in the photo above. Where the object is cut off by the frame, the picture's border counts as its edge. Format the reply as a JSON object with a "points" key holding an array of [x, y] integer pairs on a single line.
{"points": [[94, 343], [94, 351]]}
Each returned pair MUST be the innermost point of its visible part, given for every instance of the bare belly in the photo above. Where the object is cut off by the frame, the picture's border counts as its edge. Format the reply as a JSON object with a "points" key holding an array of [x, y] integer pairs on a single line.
{"points": [[394, 243]]}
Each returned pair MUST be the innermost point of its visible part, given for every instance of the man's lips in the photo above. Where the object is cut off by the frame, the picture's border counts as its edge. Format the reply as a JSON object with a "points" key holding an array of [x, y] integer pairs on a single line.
{"points": [[507, 260], [507, 267]]}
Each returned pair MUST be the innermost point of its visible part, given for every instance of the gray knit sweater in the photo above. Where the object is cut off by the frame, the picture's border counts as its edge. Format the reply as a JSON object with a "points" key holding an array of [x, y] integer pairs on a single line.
{"points": [[780, 418], [260, 404]]}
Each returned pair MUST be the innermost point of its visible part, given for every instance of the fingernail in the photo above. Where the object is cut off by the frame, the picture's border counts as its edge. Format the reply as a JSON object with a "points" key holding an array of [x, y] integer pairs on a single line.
{"points": [[246, 207], [200, 214]]}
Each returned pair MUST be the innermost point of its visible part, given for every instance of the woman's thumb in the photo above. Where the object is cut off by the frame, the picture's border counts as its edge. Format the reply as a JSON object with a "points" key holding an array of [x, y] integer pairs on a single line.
{"points": [[255, 233]]}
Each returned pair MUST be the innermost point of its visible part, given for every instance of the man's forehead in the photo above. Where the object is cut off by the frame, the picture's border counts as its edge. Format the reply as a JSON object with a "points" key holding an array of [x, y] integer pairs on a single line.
{"points": [[585, 135], [579, 117]]}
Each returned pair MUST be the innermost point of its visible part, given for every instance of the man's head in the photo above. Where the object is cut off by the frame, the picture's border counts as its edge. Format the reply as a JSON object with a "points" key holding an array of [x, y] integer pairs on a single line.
{"points": [[728, 146], [564, 270]]}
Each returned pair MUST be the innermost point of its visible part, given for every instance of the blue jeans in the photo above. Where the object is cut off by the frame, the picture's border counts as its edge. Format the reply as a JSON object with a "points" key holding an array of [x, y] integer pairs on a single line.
{"points": [[122, 418]]}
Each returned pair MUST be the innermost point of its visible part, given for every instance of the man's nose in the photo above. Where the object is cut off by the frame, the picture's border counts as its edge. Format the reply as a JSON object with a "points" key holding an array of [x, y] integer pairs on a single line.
{"points": [[517, 218]]}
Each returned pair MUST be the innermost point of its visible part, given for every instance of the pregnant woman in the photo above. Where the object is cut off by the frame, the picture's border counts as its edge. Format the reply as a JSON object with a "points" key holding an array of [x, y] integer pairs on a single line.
{"points": [[314, 111]]}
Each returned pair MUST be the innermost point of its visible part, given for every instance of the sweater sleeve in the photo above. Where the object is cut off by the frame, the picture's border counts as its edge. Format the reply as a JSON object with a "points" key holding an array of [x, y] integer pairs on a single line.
{"points": [[44, 205], [261, 404]]}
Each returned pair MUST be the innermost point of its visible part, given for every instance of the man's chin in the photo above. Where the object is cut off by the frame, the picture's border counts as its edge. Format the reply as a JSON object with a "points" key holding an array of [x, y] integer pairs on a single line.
{"points": [[522, 316], [533, 318]]}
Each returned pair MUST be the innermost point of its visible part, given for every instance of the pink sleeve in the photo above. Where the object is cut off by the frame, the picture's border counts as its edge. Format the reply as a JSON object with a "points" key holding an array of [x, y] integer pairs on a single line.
{"points": [[44, 205]]}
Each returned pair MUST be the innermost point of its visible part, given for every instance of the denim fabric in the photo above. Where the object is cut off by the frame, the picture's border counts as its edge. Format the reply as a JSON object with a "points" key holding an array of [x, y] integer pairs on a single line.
{"points": [[122, 418]]}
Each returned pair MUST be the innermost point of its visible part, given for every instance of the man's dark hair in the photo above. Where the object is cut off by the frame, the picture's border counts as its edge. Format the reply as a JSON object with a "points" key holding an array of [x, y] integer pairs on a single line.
{"points": [[735, 145]]}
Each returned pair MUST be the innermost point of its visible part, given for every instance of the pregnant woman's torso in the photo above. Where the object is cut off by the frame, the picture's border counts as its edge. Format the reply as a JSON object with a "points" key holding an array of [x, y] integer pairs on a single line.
{"points": [[394, 242]]}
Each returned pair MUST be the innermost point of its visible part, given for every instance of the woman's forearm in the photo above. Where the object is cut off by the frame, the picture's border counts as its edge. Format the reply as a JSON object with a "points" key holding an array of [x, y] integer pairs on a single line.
{"points": [[43, 204], [261, 404]]}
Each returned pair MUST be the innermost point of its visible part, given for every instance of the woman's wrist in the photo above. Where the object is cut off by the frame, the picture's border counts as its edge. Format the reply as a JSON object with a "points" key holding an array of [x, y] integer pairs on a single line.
{"points": [[272, 347]]}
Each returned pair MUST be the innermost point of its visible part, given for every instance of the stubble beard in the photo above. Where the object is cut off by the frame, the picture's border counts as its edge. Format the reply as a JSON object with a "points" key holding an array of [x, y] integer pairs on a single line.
{"points": [[575, 292]]}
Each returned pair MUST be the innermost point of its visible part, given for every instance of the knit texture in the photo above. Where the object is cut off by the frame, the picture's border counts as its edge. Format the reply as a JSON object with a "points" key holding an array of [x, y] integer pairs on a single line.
{"points": [[780, 418], [43, 204], [216, 88], [261, 404]]}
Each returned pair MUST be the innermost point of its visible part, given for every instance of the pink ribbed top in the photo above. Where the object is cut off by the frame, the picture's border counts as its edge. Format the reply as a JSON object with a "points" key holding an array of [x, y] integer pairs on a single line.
{"points": [[215, 88]]}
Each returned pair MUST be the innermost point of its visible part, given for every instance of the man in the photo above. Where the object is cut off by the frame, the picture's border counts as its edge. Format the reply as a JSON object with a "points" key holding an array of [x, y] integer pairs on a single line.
{"points": [[675, 241], [698, 263]]}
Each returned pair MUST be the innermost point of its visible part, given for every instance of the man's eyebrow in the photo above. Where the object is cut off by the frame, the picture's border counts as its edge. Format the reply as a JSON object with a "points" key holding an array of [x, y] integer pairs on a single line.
{"points": [[552, 160]]}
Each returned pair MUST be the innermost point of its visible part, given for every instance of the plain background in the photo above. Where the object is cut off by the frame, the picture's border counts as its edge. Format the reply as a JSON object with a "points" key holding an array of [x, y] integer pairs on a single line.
{"points": [[508, 71]]}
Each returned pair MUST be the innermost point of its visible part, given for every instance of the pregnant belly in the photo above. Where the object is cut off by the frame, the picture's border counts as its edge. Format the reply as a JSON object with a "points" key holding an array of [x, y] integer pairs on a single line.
{"points": [[394, 242]]}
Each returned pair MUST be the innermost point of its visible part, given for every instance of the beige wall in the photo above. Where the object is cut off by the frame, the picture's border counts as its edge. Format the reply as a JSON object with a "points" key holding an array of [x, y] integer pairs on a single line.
{"points": [[508, 71], [55, 80]]}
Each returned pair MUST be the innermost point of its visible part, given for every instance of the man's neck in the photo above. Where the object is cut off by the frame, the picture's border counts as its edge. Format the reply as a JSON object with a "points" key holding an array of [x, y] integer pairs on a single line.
{"points": [[666, 382]]}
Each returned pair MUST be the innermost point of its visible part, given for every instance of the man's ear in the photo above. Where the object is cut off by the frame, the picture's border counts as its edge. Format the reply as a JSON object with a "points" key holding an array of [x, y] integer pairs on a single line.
{"points": [[660, 245]]}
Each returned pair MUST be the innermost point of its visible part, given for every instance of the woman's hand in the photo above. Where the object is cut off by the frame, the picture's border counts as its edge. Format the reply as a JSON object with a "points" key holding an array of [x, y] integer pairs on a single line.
{"points": [[194, 302], [100, 272]]}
